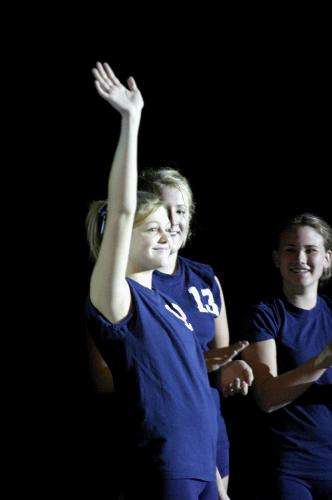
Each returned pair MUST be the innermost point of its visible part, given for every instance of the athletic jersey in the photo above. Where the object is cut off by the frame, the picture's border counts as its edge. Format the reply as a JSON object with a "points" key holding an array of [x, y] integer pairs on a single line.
{"points": [[161, 380], [196, 290], [302, 430]]}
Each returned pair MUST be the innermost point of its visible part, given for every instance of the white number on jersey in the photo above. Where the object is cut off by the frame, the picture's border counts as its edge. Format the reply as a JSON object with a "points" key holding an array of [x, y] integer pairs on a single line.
{"points": [[179, 313], [211, 306]]}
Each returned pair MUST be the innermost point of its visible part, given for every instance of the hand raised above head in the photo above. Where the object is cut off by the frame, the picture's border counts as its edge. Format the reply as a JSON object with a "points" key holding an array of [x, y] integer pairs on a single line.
{"points": [[125, 100]]}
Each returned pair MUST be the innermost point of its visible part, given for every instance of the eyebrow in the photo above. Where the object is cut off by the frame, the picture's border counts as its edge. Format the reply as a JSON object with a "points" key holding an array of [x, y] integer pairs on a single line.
{"points": [[158, 223], [311, 245]]}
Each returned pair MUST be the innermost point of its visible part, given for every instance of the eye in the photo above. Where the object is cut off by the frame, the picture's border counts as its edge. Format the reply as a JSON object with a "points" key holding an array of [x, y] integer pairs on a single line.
{"points": [[311, 250]]}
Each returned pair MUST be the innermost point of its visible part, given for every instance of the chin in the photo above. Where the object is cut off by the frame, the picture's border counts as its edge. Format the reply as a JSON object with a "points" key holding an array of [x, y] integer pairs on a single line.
{"points": [[162, 261], [176, 245]]}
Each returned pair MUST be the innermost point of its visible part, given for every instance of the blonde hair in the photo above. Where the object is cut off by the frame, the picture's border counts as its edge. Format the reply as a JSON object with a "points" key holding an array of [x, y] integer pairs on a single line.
{"points": [[147, 203], [319, 225], [154, 180]]}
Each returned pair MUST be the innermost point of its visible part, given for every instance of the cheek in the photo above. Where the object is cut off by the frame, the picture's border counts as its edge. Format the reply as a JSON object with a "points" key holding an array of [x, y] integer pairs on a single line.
{"points": [[184, 225], [322, 262]]}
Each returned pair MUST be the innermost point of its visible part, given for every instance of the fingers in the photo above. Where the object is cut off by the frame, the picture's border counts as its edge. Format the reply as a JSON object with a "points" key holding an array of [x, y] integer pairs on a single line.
{"points": [[131, 83], [246, 371], [224, 355], [236, 387], [104, 83], [244, 388], [102, 71], [227, 353], [110, 74], [236, 378], [232, 388], [101, 89], [239, 346], [249, 375], [104, 74]]}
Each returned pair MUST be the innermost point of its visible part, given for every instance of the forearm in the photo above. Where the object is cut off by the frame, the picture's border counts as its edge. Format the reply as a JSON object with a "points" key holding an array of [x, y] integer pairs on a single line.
{"points": [[122, 185], [110, 269], [109, 290], [222, 492], [277, 392]]}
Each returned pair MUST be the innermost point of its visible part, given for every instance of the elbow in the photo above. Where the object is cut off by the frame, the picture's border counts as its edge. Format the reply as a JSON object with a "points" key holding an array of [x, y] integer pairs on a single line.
{"points": [[265, 403], [105, 389], [103, 385], [266, 408]]}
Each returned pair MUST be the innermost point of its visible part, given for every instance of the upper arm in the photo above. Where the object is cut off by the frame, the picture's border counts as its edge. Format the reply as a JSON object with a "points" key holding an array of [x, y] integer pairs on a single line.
{"points": [[109, 290], [262, 357], [221, 336], [99, 370]]}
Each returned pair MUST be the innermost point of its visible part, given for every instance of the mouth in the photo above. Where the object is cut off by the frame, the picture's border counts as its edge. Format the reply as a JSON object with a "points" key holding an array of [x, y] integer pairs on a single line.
{"points": [[300, 270], [162, 249]]}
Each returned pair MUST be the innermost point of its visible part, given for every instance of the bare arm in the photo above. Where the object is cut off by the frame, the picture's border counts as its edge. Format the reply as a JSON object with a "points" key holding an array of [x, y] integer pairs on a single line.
{"points": [[221, 336], [109, 290], [236, 376], [274, 391], [222, 492], [100, 373]]}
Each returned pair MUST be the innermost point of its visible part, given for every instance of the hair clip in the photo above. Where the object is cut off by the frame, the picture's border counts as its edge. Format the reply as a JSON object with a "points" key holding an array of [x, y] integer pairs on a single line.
{"points": [[102, 213]]}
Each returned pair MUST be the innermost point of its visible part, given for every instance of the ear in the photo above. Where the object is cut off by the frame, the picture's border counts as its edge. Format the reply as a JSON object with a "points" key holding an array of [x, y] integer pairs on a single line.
{"points": [[328, 259], [275, 258]]}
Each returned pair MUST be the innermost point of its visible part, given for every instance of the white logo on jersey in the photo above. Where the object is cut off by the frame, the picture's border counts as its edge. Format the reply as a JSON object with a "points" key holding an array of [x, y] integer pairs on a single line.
{"points": [[179, 313], [211, 306]]}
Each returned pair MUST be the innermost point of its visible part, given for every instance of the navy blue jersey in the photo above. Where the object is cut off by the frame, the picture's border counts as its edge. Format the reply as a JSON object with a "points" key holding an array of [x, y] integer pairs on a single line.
{"points": [[161, 380], [196, 290], [302, 430]]}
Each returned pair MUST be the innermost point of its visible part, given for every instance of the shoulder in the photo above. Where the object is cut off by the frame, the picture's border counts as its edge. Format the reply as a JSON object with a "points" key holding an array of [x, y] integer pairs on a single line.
{"points": [[325, 301], [265, 315], [197, 267], [100, 327], [267, 306], [272, 307]]}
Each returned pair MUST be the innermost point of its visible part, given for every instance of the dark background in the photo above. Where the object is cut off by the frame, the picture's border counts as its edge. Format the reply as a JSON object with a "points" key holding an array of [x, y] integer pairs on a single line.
{"points": [[241, 104]]}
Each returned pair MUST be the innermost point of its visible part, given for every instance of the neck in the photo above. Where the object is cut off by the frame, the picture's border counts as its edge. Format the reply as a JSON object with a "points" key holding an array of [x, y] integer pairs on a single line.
{"points": [[143, 277], [304, 299], [171, 266]]}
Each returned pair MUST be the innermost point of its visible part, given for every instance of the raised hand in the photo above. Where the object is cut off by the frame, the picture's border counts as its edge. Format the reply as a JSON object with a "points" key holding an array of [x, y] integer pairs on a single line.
{"points": [[125, 100], [236, 378], [221, 356]]}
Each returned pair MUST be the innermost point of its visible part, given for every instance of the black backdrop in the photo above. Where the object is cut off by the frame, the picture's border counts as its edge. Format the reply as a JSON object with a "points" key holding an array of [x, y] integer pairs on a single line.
{"points": [[242, 107]]}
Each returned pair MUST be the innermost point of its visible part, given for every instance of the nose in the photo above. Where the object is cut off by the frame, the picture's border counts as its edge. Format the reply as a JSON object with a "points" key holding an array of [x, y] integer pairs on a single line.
{"points": [[173, 217], [301, 256], [164, 236]]}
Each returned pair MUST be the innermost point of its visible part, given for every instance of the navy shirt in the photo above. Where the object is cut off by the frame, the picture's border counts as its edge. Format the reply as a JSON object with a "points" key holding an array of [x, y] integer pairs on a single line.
{"points": [[193, 286], [302, 430], [161, 380]]}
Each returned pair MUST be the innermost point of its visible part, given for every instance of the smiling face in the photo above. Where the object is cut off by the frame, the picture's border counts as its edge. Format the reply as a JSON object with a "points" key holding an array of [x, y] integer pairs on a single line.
{"points": [[178, 214], [301, 258], [151, 242]]}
